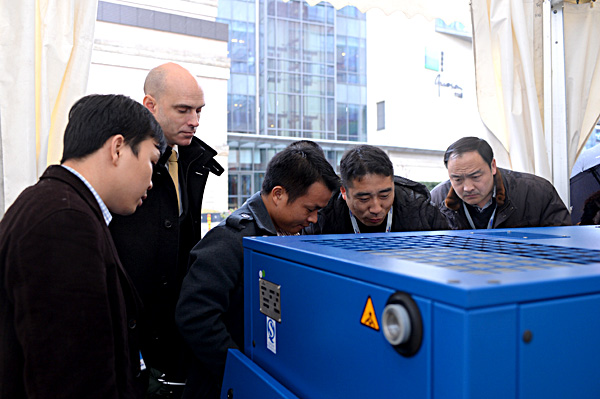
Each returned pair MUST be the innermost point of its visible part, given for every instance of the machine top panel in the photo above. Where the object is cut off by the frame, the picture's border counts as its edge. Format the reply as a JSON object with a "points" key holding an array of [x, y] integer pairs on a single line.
{"points": [[465, 268], [471, 254]]}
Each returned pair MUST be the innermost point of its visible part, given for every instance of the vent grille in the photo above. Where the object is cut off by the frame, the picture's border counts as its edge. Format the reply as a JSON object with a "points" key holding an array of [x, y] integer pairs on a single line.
{"points": [[468, 254]]}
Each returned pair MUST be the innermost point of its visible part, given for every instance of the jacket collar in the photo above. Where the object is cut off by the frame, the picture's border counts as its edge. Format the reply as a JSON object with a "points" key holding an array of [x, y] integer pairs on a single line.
{"points": [[59, 173], [164, 158], [255, 210], [199, 151], [262, 217], [454, 202]]}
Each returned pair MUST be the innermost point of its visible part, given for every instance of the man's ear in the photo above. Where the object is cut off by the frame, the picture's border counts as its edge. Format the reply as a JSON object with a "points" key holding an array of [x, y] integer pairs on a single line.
{"points": [[493, 166], [343, 191], [116, 145], [278, 194], [150, 103]]}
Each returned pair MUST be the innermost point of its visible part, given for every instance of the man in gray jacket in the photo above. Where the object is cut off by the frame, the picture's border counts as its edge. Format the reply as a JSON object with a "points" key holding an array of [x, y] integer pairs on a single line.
{"points": [[480, 195]]}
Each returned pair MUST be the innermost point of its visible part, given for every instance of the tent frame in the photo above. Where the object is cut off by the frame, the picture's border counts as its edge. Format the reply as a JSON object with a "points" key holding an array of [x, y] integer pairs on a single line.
{"points": [[555, 110]]}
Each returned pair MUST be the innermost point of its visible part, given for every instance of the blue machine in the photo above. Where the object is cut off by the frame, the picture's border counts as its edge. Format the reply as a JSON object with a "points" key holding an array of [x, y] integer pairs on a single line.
{"points": [[456, 314]]}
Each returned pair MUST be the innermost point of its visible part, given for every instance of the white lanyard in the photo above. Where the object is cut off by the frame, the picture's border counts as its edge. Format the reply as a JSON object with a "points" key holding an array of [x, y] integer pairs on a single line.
{"points": [[388, 226], [490, 223]]}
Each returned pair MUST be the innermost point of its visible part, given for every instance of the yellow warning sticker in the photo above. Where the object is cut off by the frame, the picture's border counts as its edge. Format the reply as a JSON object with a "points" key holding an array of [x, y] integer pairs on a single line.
{"points": [[368, 316]]}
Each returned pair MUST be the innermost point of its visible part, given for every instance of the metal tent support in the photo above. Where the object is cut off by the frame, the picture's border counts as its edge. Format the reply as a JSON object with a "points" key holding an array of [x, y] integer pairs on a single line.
{"points": [[555, 110]]}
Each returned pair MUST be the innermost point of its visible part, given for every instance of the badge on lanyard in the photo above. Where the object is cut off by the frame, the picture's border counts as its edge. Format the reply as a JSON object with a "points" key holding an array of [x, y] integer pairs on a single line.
{"points": [[388, 226], [142, 363], [490, 223]]}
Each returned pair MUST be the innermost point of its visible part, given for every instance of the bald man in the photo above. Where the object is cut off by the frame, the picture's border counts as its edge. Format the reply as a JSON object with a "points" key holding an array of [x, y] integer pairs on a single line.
{"points": [[155, 242]]}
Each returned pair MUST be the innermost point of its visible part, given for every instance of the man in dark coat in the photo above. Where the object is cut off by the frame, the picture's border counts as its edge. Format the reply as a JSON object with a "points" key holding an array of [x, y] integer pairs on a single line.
{"points": [[373, 200], [210, 313], [69, 315], [591, 210], [155, 242], [479, 195]]}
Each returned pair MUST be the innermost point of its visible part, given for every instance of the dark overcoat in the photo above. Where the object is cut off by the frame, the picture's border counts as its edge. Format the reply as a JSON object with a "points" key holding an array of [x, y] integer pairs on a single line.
{"points": [[68, 311], [154, 245]]}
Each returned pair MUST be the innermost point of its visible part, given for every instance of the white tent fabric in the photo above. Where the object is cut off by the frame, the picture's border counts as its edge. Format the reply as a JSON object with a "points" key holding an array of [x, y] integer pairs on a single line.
{"points": [[46, 48], [17, 94], [507, 43], [582, 70]]}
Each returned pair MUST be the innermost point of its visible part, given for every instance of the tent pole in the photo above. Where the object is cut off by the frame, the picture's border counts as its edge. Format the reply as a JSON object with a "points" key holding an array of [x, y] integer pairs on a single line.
{"points": [[555, 110]]}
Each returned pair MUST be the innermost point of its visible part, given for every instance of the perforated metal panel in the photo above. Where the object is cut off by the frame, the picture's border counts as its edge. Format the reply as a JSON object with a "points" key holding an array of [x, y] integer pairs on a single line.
{"points": [[469, 254]]}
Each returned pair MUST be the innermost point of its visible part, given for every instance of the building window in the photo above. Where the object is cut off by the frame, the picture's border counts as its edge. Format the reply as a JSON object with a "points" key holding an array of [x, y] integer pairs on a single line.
{"points": [[233, 192], [248, 163], [381, 115], [351, 122]]}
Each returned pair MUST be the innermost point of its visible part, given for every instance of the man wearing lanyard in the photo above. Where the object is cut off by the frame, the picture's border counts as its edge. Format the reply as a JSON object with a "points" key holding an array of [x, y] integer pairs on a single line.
{"points": [[480, 195], [373, 200]]}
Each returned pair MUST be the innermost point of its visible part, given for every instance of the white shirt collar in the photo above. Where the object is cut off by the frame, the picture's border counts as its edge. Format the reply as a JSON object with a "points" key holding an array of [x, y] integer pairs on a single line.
{"points": [[105, 212]]}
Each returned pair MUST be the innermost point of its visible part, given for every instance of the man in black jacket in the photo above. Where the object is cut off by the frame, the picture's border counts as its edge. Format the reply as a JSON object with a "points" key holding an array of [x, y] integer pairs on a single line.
{"points": [[154, 243], [373, 200], [480, 195], [210, 313]]}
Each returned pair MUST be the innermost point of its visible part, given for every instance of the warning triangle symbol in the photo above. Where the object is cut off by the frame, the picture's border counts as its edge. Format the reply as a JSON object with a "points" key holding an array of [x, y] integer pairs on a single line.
{"points": [[368, 316]]}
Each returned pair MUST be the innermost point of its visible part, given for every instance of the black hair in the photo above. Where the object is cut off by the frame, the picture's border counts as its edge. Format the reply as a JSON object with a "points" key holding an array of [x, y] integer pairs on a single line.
{"points": [[364, 160], [96, 118], [468, 144], [300, 144], [296, 168], [591, 210]]}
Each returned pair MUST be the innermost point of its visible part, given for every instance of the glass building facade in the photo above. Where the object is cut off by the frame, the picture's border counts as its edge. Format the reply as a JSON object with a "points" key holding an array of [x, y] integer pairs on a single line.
{"points": [[594, 138], [297, 72]]}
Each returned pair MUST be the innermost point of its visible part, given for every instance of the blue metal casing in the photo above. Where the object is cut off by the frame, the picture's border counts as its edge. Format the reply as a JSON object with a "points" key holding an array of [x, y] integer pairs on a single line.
{"points": [[505, 313]]}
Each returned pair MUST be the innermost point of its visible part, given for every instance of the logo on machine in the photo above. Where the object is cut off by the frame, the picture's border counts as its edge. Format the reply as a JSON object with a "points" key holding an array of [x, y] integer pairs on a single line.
{"points": [[271, 335], [369, 318]]}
